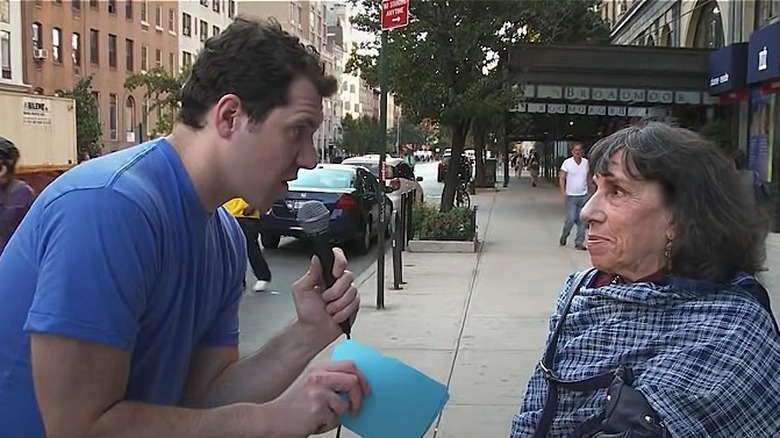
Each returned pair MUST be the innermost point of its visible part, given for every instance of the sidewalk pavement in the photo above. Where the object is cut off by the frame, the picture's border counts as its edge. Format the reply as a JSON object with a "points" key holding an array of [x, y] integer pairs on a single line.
{"points": [[477, 322]]}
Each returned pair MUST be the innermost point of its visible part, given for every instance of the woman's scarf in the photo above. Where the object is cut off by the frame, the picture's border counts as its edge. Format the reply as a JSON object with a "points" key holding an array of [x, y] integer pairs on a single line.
{"points": [[706, 357]]}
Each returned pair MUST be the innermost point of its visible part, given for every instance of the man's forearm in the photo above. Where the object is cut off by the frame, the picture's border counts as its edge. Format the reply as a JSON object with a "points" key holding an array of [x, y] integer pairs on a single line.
{"points": [[138, 420], [267, 373]]}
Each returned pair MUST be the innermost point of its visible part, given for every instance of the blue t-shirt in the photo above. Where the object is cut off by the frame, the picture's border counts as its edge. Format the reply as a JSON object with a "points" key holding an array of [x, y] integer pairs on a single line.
{"points": [[119, 251]]}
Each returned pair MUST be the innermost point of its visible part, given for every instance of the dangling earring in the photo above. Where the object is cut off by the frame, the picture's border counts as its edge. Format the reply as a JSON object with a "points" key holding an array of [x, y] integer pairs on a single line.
{"points": [[668, 254]]}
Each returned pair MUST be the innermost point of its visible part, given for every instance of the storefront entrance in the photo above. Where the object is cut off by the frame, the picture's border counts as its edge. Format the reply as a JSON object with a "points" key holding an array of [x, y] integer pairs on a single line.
{"points": [[581, 93]]}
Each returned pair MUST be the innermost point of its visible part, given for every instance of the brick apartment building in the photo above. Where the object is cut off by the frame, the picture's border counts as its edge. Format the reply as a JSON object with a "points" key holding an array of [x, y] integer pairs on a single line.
{"points": [[64, 40]]}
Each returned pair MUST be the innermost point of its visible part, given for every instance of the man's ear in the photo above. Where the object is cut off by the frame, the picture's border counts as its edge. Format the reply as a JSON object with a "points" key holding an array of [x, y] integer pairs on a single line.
{"points": [[3, 170], [226, 115]]}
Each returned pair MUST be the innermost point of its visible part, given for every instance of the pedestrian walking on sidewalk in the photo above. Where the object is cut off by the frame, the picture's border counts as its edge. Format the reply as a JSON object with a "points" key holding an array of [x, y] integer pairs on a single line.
{"points": [[573, 182], [248, 219], [120, 290], [670, 334], [534, 167], [16, 196]]}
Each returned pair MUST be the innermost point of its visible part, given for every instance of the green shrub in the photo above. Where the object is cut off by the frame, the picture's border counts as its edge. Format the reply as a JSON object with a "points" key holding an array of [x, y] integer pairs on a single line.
{"points": [[430, 224]]}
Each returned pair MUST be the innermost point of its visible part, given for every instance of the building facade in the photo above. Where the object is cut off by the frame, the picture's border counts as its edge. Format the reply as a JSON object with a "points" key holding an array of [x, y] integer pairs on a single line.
{"points": [[65, 40], [302, 18], [340, 35], [199, 20], [744, 67], [306, 19], [678, 23], [11, 47]]}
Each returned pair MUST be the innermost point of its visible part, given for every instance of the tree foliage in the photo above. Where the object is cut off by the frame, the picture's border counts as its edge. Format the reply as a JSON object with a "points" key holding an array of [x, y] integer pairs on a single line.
{"points": [[437, 63], [565, 21], [88, 126], [360, 136], [443, 64], [163, 91], [410, 133]]}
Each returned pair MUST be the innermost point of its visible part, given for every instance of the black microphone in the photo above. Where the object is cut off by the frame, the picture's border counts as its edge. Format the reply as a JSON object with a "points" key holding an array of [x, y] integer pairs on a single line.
{"points": [[314, 216]]}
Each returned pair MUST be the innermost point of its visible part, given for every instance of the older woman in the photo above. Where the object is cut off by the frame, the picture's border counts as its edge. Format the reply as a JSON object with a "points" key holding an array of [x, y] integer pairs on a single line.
{"points": [[670, 334]]}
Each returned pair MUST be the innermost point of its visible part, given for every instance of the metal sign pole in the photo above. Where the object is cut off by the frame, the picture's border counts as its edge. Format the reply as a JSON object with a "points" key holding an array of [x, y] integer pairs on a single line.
{"points": [[393, 14], [380, 262]]}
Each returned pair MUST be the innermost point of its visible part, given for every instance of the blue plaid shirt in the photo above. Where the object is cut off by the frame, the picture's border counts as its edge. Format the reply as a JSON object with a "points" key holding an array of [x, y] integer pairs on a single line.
{"points": [[705, 356]]}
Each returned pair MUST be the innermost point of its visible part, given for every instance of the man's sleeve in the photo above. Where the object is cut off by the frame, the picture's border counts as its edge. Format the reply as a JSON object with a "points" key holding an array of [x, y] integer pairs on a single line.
{"points": [[565, 166], [225, 330], [97, 261]]}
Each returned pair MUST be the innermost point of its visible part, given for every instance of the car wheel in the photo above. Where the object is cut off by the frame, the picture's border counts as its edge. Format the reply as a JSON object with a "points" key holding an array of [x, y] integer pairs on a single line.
{"points": [[269, 240], [363, 240]]}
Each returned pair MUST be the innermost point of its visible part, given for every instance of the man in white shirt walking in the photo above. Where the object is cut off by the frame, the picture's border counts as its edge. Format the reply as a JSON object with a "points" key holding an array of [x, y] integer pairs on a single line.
{"points": [[573, 180]]}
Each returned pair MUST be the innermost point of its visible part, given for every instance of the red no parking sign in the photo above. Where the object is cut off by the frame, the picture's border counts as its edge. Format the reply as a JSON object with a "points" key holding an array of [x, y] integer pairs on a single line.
{"points": [[395, 13]]}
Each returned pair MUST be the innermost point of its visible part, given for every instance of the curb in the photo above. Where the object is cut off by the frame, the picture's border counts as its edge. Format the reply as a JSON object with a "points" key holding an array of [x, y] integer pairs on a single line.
{"points": [[369, 272]]}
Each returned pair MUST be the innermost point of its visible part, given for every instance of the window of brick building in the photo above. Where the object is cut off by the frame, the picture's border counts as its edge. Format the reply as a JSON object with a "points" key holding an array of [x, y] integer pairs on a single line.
{"points": [[129, 55], [56, 44], [112, 61], [94, 46], [144, 12], [5, 54], [75, 48], [112, 116], [186, 24]]}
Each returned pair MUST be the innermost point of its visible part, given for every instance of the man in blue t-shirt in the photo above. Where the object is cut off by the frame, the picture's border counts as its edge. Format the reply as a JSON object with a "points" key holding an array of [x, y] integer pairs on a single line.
{"points": [[120, 289]]}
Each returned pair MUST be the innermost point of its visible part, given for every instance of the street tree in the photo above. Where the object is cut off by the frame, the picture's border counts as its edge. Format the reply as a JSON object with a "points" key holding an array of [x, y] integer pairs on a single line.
{"points": [[406, 132], [564, 21], [442, 65], [360, 136], [88, 126], [162, 89], [486, 124], [438, 63]]}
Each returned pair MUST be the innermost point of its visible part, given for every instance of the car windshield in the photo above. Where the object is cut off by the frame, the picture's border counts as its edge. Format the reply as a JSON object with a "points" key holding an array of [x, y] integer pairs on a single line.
{"points": [[323, 178], [372, 167]]}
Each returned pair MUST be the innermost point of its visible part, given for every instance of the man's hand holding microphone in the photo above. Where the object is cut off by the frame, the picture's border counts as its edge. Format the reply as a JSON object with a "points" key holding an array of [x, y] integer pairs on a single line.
{"points": [[315, 403]]}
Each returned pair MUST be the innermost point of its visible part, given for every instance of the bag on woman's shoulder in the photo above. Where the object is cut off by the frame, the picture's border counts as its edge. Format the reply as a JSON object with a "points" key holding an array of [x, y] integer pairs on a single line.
{"points": [[626, 413]]}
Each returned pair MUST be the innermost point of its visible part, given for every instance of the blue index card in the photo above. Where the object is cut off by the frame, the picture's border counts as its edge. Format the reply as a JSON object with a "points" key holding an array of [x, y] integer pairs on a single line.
{"points": [[403, 402]]}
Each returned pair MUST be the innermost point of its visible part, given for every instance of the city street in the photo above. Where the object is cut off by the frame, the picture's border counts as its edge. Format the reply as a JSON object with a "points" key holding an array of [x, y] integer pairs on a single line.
{"points": [[263, 314]]}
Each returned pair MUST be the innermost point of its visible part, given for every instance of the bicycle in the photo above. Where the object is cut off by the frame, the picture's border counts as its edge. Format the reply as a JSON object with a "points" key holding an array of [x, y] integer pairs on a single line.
{"points": [[462, 198]]}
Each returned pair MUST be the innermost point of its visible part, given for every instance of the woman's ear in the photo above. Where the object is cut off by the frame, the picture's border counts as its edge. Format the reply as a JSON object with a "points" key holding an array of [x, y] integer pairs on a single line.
{"points": [[3, 170]]}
